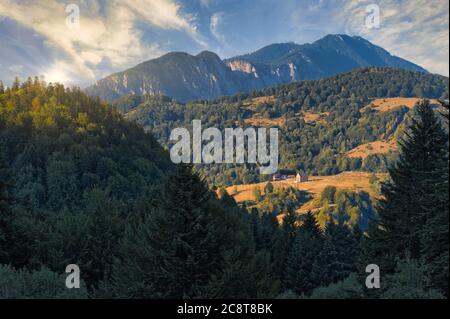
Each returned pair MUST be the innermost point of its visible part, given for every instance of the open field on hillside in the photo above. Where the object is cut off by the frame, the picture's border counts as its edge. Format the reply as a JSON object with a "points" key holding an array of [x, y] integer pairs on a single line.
{"points": [[378, 147], [319, 118], [259, 100], [259, 121], [354, 181], [389, 104]]}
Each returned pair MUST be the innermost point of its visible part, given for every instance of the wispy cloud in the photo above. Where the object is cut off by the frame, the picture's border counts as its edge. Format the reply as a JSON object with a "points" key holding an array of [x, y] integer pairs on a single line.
{"points": [[415, 30], [116, 34], [107, 33], [216, 20]]}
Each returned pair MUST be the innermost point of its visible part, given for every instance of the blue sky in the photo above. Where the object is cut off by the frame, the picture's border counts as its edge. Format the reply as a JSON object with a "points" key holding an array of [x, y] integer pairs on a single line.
{"points": [[116, 34]]}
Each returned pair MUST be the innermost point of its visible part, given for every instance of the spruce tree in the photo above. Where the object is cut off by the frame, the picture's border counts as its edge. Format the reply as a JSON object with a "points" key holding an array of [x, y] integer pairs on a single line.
{"points": [[16, 84], [6, 217], [192, 246], [338, 257], [173, 249], [410, 281], [434, 237], [243, 272], [267, 232], [284, 243], [415, 194], [305, 250], [104, 229], [324, 269]]}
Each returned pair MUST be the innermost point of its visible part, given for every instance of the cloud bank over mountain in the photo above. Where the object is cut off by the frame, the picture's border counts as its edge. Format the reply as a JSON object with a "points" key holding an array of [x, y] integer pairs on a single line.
{"points": [[115, 35]]}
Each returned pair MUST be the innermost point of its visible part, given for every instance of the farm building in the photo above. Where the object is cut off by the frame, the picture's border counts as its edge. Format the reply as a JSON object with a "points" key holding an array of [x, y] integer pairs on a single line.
{"points": [[284, 175], [301, 178]]}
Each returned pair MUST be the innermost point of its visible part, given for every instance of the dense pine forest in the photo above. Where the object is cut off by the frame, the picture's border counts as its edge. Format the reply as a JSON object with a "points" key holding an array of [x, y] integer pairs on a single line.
{"points": [[80, 184]]}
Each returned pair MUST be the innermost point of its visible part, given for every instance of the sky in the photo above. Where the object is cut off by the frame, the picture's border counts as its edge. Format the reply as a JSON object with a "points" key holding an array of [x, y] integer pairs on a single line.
{"points": [[78, 42]]}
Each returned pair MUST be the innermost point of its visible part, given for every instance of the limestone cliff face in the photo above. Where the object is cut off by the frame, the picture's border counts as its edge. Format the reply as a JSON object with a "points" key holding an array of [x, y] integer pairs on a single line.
{"points": [[326, 57], [205, 76], [178, 75], [242, 66]]}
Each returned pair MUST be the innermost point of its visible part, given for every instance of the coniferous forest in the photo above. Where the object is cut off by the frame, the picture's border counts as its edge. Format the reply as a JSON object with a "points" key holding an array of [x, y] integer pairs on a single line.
{"points": [[82, 184], [313, 147]]}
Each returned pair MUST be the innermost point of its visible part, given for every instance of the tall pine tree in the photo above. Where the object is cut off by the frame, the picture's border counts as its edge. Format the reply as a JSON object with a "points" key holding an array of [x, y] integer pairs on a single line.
{"points": [[284, 243], [191, 246], [338, 257], [171, 254], [6, 217], [416, 195], [299, 267], [434, 237]]}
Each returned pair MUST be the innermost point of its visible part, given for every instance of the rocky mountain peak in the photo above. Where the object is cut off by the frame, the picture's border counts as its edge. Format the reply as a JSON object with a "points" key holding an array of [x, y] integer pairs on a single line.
{"points": [[205, 76]]}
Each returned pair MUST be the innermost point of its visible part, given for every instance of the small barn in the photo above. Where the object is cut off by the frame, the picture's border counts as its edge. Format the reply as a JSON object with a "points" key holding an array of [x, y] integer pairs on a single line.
{"points": [[301, 178], [283, 175]]}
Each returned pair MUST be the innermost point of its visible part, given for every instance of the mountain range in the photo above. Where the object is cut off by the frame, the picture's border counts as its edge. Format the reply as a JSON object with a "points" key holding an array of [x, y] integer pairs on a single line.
{"points": [[185, 77]]}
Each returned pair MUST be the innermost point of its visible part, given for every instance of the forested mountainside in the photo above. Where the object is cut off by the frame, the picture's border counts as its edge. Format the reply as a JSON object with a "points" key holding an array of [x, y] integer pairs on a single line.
{"points": [[320, 121], [205, 76], [76, 171], [80, 185]]}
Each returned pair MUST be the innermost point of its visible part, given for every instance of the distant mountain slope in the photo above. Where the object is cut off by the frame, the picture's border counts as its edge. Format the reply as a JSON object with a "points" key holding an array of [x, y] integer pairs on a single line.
{"points": [[328, 56], [185, 77], [176, 74], [320, 121]]}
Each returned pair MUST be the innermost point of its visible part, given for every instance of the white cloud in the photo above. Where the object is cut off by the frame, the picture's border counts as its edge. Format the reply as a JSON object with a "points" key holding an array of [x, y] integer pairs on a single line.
{"points": [[414, 30], [216, 20], [115, 34], [61, 72], [106, 34]]}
